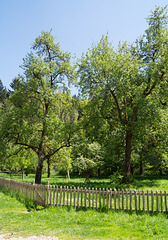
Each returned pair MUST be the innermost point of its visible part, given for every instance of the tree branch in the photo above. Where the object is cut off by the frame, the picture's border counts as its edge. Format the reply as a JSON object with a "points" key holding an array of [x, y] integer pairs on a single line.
{"points": [[118, 108]]}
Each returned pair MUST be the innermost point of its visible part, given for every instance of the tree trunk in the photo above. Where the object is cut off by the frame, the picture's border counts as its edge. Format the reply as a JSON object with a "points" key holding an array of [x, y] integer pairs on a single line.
{"points": [[49, 172], [141, 167], [22, 174], [68, 174], [127, 162], [39, 168]]}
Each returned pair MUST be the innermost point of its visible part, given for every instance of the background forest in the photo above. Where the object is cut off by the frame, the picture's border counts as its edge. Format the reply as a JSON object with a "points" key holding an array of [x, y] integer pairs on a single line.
{"points": [[117, 126]]}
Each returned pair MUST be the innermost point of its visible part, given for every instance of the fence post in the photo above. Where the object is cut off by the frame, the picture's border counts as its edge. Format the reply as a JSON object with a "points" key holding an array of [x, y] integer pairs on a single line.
{"points": [[165, 200], [33, 190], [47, 193]]}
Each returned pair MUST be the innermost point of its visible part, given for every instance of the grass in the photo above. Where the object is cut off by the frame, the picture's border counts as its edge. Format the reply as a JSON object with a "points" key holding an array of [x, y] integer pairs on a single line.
{"points": [[139, 183], [70, 223]]}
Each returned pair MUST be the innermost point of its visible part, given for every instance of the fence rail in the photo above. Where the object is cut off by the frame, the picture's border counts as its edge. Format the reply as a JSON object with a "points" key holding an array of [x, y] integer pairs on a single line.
{"points": [[130, 200]]}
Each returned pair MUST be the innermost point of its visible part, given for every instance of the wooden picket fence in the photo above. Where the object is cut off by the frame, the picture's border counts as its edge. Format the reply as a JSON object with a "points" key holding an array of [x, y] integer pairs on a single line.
{"points": [[130, 200]]}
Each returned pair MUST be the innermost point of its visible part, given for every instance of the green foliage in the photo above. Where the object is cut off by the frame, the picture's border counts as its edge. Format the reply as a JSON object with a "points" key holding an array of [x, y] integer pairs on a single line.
{"points": [[123, 85]]}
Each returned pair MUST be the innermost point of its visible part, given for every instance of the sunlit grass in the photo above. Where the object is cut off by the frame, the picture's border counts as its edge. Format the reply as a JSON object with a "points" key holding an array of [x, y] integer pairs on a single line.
{"points": [[70, 223], [139, 183]]}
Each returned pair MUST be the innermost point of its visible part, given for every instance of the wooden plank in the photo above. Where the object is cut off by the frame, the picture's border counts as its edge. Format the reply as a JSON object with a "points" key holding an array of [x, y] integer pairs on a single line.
{"points": [[139, 199], [74, 196], [67, 196], [85, 197], [161, 200], [51, 195], [99, 197], [57, 196], [110, 198], [135, 195], [143, 199], [119, 199], [147, 193], [122, 192], [60, 195], [103, 198], [64, 191], [130, 193], [152, 201], [47, 193], [92, 197], [54, 195], [78, 197], [81, 196], [71, 196], [126, 192], [165, 197], [89, 197], [157, 201], [115, 202], [96, 199], [107, 198]]}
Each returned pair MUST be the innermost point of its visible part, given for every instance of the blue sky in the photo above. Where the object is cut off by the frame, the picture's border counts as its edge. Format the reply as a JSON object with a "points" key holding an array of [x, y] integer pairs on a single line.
{"points": [[76, 24]]}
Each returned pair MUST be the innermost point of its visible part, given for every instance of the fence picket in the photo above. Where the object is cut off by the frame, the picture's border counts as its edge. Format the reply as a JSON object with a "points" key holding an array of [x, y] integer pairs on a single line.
{"points": [[81, 196], [126, 199], [119, 199], [152, 201], [92, 197], [165, 195], [135, 194], [157, 201], [99, 197], [85, 198], [115, 204], [67, 196], [143, 199], [57, 196], [161, 200], [78, 197], [54, 195], [130, 192], [147, 200]]}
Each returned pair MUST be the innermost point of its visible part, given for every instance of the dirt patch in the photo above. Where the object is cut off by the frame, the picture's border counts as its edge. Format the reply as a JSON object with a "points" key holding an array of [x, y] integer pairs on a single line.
{"points": [[7, 236]]}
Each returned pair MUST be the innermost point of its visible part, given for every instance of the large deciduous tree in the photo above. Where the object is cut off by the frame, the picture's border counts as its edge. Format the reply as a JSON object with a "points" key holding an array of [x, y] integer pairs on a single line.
{"points": [[123, 85], [39, 115]]}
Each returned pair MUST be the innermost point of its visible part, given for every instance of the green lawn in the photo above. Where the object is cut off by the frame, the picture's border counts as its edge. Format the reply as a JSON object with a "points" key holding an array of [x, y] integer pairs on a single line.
{"points": [[69, 223]]}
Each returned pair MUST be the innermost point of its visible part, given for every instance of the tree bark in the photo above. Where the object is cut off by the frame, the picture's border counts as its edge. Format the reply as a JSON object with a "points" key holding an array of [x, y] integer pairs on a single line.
{"points": [[49, 172], [39, 168], [127, 161], [68, 174]]}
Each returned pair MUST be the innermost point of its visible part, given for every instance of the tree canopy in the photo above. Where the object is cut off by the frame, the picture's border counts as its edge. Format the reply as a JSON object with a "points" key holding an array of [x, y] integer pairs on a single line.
{"points": [[117, 123]]}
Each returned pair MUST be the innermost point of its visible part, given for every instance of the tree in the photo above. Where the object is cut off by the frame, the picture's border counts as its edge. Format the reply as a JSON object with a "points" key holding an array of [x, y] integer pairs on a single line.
{"points": [[38, 115], [124, 84], [3, 92]]}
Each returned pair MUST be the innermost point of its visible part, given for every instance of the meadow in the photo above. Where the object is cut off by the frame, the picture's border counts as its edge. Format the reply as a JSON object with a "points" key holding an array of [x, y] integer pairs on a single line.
{"points": [[27, 219]]}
